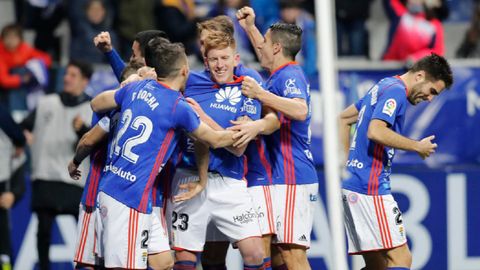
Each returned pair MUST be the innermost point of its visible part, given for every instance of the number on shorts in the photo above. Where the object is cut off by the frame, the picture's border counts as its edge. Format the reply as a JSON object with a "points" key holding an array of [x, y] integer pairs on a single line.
{"points": [[144, 239], [183, 226], [398, 217]]}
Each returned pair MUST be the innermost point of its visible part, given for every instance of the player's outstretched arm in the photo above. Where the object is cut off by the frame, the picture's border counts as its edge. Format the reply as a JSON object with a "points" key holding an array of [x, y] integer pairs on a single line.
{"points": [[347, 118], [379, 132], [213, 138], [194, 188], [237, 151], [88, 142], [246, 18], [293, 108], [104, 101]]}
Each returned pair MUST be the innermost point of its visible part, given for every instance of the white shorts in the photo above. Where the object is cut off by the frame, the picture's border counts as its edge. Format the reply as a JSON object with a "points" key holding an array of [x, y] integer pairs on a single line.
{"points": [[125, 234], [293, 212], [373, 222], [86, 238], [158, 233], [262, 200], [262, 203], [225, 203]]}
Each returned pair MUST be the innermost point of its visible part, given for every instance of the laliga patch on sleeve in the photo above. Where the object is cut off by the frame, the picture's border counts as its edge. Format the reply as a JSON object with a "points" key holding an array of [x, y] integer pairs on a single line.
{"points": [[389, 107]]}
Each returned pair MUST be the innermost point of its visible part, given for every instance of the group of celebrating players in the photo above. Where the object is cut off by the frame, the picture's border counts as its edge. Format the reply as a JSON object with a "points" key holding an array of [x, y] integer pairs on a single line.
{"points": [[195, 161], [178, 161]]}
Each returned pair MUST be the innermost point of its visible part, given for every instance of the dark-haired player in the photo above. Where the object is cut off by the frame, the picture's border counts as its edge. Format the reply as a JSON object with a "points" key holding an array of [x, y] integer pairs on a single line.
{"points": [[293, 172], [372, 217]]}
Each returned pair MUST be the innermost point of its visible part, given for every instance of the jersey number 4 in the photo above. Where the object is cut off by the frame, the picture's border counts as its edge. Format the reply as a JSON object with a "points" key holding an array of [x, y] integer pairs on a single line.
{"points": [[140, 122]]}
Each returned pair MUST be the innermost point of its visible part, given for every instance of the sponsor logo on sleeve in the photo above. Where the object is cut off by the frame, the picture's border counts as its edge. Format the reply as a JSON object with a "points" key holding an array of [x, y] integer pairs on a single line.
{"points": [[291, 88], [389, 107], [249, 107]]}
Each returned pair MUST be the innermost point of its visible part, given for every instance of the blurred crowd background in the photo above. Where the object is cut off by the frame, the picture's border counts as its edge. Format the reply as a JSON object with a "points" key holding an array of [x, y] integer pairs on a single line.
{"points": [[390, 30]]}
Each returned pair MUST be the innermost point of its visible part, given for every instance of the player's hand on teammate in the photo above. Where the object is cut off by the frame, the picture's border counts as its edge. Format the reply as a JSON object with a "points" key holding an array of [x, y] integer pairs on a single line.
{"points": [[246, 17], [425, 147], [193, 189], [130, 79], [103, 42], [197, 108], [245, 131], [250, 88], [147, 73], [73, 170]]}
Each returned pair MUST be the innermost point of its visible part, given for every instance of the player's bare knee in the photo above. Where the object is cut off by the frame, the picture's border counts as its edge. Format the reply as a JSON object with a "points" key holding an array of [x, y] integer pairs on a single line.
{"points": [[162, 266], [162, 261], [399, 256], [404, 260], [254, 256], [185, 255]]}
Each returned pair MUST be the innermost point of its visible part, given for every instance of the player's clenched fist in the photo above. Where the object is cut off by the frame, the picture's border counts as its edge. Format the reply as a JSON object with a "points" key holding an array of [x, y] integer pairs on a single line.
{"points": [[246, 17], [426, 147], [103, 42], [251, 88]]}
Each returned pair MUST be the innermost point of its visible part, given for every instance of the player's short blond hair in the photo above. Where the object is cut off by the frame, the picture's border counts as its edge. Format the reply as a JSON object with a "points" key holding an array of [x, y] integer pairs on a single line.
{"points": [[219, 41], [220, 23]]}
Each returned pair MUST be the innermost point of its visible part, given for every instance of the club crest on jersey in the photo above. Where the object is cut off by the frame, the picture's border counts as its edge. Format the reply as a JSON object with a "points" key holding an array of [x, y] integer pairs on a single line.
{"points": [[353, 198], [389, 107], [231, 94], [291, 87]]}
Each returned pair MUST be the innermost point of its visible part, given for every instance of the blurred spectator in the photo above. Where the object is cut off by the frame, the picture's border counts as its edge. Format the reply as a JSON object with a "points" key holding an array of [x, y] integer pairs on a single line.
{"points": [[177, 19], [12, 143], [470, 47], [15, 71], [85, 26], [54, 142], [14, 54], [229, 8], [44, 17], [291, 11], [352, 35], [415, 29], [131, 18]]}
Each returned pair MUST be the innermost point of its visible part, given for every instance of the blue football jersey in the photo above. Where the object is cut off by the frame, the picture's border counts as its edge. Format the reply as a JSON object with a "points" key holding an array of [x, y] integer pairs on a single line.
{"points": [[97, 161], [145, 137], [369, 163], [259, 170], [222, 103], [289, 147]]}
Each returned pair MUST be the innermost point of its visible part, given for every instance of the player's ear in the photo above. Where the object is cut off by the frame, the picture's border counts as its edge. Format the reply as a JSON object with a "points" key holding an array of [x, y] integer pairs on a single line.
{"points": [[237, 59], [185, 70], [420, 76], [277, 48]]}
